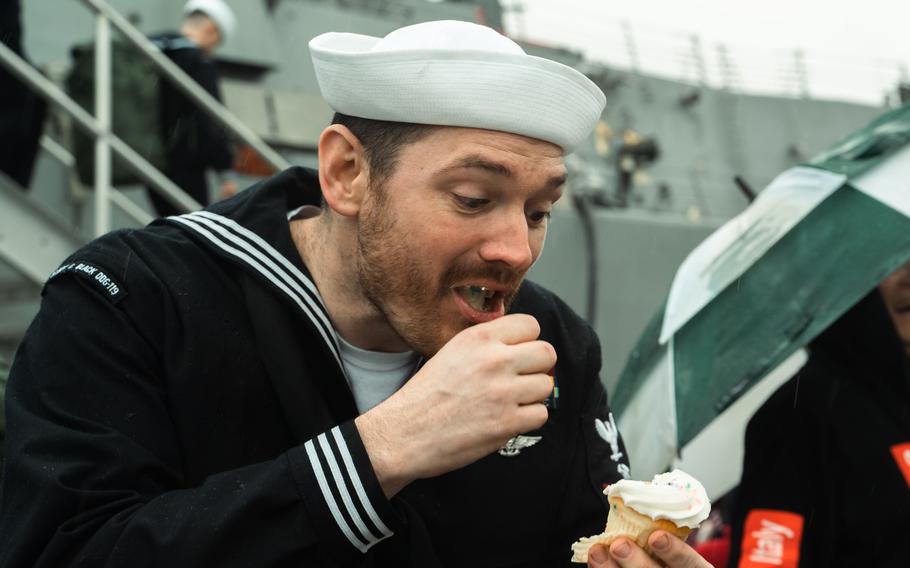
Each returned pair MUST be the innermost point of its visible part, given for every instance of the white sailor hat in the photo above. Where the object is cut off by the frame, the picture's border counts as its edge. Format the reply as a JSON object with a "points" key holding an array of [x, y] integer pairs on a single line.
{"points": [[455, 73], [219, 12]]}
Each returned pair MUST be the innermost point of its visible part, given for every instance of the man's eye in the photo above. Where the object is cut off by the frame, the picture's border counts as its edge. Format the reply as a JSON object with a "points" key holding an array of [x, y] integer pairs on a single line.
{"points": [[471, 203], [538, 217]]}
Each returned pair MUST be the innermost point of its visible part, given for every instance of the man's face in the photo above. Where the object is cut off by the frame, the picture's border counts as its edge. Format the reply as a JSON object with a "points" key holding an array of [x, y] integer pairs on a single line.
{"points": [[203, 31], [895, 291], [446, 240], [210, 36]]}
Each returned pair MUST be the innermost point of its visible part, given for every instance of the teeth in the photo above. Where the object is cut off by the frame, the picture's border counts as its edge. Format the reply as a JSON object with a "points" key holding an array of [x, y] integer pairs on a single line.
{"points": [[486, 292], [478, 297]]}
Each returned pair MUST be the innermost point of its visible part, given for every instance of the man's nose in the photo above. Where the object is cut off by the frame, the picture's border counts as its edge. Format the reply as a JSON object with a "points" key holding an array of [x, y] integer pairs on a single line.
{"points": [[508, 242]]}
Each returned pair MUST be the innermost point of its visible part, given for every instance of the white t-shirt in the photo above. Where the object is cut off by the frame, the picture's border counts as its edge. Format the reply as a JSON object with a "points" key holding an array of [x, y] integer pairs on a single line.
{"points": [[375, 376]]}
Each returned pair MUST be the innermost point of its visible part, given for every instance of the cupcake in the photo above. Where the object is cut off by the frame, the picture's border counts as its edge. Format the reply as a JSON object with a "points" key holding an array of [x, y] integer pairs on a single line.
{"points": [[674, 502]]}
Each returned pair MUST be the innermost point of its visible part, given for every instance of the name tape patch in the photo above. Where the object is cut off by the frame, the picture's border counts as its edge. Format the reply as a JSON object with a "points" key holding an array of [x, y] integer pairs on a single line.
{"points": [[108, 287], [901, 453], [771, 538]]}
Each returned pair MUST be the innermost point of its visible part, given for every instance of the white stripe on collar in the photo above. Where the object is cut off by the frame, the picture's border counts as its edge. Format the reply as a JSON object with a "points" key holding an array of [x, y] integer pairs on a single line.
{"points": [[286, 277], [270, 250]]}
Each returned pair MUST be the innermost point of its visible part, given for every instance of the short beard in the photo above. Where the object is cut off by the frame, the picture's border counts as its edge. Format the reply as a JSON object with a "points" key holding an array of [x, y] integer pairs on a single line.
{"points": [[383, 264], [389, 268]]}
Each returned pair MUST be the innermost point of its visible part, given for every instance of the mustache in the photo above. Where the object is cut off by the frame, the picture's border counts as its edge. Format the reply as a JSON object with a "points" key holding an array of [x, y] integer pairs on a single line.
{"points": [[505, 277]]}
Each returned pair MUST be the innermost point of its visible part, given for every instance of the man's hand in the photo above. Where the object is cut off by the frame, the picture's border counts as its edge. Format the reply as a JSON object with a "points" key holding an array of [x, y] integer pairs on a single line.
{"points": [[623, 553], [482, 388]]}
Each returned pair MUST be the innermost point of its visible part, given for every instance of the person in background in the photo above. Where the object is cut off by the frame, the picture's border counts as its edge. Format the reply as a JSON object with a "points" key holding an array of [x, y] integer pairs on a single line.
{"points": [[194, 142], [826, 474], [22, 112]]}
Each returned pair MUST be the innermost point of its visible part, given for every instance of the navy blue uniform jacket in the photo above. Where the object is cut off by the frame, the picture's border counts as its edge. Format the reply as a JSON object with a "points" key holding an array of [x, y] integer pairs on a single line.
{"points": [[179, 401]]}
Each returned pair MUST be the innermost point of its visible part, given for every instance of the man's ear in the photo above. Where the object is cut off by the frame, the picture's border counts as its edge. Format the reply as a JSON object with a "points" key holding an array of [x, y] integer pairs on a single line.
{"points": [[343, 170]]}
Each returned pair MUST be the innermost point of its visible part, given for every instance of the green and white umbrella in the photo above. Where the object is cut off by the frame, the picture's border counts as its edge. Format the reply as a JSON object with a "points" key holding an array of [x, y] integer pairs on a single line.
{"points": [[812, 244]]}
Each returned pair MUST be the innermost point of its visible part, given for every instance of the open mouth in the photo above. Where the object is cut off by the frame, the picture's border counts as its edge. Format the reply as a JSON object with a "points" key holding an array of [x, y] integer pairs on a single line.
{"points": [[480, 298]]}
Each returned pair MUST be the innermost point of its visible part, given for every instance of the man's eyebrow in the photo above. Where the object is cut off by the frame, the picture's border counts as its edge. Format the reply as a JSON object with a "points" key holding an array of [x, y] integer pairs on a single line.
{"points": [[556, 181], [478, 163], [496, 168]]}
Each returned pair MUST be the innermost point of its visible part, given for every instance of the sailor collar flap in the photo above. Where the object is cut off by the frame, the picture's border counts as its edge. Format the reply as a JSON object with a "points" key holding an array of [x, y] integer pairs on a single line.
{"points": [[251, 230]]}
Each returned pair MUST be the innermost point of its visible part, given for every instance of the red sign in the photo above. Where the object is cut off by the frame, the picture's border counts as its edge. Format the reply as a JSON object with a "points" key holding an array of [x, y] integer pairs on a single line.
{"points": [[901, 453], [771, 538]]}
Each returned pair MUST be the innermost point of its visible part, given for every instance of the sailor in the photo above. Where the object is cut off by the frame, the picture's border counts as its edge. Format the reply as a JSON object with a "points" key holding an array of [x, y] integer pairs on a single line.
{"points": [[341, 367], [193, 142]]}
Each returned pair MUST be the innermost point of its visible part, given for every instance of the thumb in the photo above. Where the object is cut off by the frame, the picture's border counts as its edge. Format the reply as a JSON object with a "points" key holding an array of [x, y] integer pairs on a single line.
{"points": [[598, 557]]}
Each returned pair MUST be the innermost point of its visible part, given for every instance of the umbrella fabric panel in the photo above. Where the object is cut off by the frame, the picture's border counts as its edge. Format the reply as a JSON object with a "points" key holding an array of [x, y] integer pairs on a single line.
{"points": [[889, 182], [638, 367], [648, 419], [866, 148], [809, 278], [729, 252], [715, 455]]}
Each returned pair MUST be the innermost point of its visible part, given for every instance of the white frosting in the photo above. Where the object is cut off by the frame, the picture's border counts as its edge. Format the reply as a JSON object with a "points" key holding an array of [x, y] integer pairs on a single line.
{"points": [[675, 496]]}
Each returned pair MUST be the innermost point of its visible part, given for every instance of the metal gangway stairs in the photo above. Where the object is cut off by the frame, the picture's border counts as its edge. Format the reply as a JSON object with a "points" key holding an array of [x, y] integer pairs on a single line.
{"points": [[34, 238]]}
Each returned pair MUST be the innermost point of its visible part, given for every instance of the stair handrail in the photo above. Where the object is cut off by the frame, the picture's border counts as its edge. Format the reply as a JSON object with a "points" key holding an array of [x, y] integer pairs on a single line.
{"points": [[105, 16], [136, 162], [188, 85], [99, 126]]}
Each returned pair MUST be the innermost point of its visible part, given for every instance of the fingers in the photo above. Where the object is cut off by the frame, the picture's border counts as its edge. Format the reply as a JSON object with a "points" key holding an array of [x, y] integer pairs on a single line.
{"points": [[532, 357], [530, 417], [628, 555], [674, 552], [534, 388], [598, 557], [510, 329]]}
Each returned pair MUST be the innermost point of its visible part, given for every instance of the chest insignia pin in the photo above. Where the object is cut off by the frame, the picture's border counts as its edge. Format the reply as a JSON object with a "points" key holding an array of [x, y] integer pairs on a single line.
{"points": [[514, 446]]}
